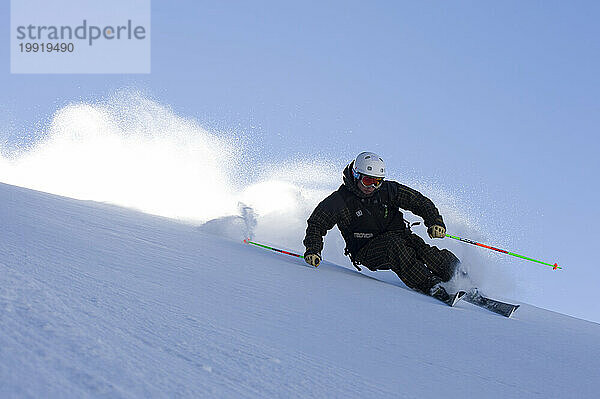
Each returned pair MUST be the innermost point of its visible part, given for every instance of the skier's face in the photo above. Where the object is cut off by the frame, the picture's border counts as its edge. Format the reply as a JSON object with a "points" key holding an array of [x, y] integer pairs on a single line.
{"points": [[365, 190]]}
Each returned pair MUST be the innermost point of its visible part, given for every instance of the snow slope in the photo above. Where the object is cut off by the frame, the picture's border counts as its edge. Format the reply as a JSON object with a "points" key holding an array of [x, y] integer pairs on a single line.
{"points": [[101, 301]]}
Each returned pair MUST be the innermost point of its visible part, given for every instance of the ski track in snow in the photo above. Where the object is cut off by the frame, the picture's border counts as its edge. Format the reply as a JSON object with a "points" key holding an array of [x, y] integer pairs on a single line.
{"points": [[100, 301]]}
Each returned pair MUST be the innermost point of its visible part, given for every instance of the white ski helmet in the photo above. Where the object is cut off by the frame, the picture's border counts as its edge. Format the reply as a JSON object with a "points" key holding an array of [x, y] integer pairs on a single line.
{"points": [[370, 164]]}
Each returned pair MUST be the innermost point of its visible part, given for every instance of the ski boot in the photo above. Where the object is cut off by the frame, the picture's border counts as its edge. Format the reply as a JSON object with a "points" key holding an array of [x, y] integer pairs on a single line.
{"points": [[438, 292]]}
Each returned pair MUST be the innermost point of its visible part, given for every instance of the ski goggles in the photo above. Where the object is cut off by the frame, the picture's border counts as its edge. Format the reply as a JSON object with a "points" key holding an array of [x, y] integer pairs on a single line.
{"points": [[368, 181]]}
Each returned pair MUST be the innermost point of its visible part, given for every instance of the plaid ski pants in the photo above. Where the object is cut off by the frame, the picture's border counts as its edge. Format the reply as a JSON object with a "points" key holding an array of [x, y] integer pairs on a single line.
{"points": [[418, 264]]}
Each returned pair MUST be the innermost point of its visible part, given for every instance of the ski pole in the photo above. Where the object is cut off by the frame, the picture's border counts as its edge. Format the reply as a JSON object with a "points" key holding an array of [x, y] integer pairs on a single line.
{"points": [[554, 266], [247, 241]]}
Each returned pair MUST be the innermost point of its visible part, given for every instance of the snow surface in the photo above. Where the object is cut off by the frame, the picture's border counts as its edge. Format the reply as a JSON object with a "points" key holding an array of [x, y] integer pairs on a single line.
{"points": [[102, 301]]}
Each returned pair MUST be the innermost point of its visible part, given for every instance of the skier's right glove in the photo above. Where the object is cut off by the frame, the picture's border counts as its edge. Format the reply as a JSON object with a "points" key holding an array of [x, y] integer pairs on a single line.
{"points": [[312, 259]]}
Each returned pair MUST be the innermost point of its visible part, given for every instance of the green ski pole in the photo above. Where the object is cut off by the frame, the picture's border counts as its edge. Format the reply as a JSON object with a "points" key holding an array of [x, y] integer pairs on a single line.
{"points": [[554, 266], [247, 241]]}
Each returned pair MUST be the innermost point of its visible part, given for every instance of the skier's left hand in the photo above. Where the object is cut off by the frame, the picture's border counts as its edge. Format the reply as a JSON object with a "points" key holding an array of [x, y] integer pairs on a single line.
{"points": [[312, 259], [436, 231]]}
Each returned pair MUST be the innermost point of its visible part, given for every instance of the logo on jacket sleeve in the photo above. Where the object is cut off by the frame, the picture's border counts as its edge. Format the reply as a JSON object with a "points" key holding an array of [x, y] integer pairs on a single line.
{"points": [[359, 213], [363, 235]]}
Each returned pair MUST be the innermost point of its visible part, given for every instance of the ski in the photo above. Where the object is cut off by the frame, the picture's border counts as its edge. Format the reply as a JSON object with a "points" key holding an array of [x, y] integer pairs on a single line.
{"points": [[493, 305]]}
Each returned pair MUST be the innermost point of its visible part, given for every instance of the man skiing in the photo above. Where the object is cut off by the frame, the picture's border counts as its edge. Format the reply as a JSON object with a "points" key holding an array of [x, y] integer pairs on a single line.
{"points": [[366, 210]]}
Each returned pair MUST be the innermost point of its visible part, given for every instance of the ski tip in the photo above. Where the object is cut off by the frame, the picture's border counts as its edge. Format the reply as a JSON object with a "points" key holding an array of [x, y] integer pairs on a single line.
{"points": [[514, 309]]}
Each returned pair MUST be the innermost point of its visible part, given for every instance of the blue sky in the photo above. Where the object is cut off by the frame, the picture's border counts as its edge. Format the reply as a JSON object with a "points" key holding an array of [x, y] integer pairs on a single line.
{"points": [[496, 98]]}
